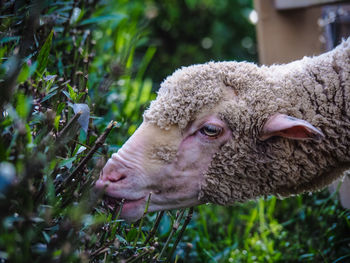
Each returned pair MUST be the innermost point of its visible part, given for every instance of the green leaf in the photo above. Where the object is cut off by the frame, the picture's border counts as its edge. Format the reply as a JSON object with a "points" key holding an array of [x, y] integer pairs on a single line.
{"points": [[32, 68], [67, 162], [39, 248], [146, 91], [43, 56], [48, 96], [3, 51], [23, 106], [37, 219], [57, 253], [9, 39], [29, 136], [60, 107], [122, 240], [60, 66], [46, 236], [57, 122], [81, 149], [145, 62], [24, 74], [67, 94], [50, 187], [100, 19], [72, 93], [131, 234]]}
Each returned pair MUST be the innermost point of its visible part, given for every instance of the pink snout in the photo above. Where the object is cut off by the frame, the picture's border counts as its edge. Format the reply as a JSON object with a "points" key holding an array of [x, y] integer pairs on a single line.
{"points": [[113, 171], [117, 182], [113, 176]]}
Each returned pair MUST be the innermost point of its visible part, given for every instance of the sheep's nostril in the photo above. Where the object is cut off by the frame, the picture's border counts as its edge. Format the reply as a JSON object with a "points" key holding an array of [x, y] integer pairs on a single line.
{"points": [[115, 179]]}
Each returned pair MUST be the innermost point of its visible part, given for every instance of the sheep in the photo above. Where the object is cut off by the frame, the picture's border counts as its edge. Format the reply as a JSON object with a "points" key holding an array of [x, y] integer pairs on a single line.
{"points": [[226, 132]]}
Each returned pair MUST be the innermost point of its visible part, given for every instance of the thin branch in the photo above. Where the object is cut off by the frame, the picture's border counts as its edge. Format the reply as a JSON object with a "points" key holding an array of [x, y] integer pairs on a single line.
{"points": [[133, 259], [173, 230], [86, 146], [79, 169], [99, 251], [66, 128], [154, 228], [104, 244], [182, 230], [115, 216], [143, 216], [67, 23]]}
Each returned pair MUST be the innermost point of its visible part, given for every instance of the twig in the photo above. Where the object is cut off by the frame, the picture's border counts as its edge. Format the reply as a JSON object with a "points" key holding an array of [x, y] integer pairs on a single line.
{"points": [[100, 140], [67, 133], [86, 146], [75, 56], [86, 62], [173, 230], [67, 23], [99, 251], [133, 259], [154, 228], [68, 126], [182, 230], [143, 216], [115, 216]]}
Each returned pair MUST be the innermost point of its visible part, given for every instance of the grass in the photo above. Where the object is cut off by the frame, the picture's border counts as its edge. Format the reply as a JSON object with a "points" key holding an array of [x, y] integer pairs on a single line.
{"points": [[309, 228]]}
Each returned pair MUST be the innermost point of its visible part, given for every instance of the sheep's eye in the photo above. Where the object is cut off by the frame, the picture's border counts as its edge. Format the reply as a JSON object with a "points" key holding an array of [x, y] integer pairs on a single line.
{"points": [[211, 130]]}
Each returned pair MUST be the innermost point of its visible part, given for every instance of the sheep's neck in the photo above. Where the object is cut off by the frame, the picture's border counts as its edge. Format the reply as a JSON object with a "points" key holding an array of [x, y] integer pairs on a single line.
{"points": [[324, 92]]}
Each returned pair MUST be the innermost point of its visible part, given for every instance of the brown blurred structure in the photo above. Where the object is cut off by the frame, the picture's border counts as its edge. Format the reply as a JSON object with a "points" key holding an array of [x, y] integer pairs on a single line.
{"points": [[288, 30], [291, 29]]}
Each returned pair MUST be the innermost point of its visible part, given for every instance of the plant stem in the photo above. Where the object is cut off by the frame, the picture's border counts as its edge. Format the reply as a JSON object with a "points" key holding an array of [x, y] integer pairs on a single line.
{"points": [[85, 145], [134, 259], [142, 218], [66, 128], [100, 140], [173, 230], [187, 221], [154, 228]]}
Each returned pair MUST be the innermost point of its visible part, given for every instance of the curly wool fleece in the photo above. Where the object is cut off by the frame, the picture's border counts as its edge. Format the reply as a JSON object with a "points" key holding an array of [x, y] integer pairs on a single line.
{"points": [[314, 89]]}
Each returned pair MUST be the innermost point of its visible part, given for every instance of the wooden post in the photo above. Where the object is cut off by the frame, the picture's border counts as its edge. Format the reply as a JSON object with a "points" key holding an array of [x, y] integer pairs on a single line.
{"points": [[287, 35]]}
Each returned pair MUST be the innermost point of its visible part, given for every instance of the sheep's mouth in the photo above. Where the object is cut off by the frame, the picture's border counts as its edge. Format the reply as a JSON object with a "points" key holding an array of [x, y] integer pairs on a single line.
{"points": [[115, 203]]}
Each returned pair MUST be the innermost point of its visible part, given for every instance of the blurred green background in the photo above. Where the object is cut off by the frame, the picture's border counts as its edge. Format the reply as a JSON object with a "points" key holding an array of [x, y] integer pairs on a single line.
{"points": [[57, 57], [191, 32]]}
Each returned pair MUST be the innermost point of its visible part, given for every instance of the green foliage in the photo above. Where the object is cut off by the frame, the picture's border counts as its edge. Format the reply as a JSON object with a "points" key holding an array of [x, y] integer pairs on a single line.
{"points": [[44, 52], [60, 55], [301, 229], [197, 31], [48, 163]]}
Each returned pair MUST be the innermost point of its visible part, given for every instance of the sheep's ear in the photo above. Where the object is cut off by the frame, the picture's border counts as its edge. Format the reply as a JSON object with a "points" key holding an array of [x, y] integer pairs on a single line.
{"points": [[289, 127]]}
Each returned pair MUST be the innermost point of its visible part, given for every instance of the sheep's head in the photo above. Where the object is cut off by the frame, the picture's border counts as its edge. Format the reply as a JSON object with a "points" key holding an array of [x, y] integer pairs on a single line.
{"points": [[193, 136]]}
